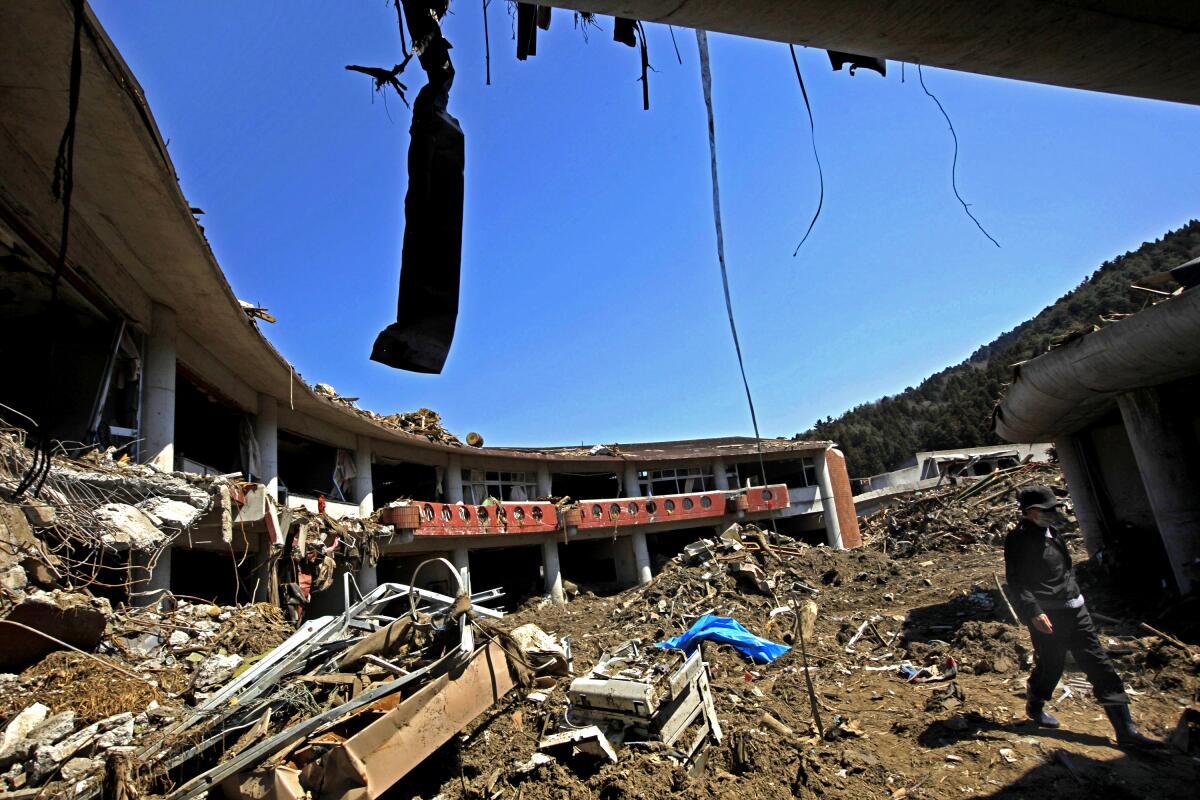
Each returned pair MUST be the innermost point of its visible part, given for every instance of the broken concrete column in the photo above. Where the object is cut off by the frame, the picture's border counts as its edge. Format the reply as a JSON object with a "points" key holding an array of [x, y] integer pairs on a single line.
{"points": [[266, 431], [453, 485], [720, 475], [364, 487], [545, 485], [158, 391], [833, 529], [1083, 493], [149, 581], [632, 486], [1171, 482], [552, 571]]}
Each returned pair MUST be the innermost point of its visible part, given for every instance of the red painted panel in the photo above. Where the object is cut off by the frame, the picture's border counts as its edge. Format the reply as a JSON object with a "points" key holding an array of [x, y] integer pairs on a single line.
{"points": [[757, 498], [456, 519], [625, 511]]}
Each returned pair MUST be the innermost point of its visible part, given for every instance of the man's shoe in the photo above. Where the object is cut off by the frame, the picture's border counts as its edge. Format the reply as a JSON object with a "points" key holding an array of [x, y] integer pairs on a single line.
{"points": [[1040, 716], [1127, 734]]}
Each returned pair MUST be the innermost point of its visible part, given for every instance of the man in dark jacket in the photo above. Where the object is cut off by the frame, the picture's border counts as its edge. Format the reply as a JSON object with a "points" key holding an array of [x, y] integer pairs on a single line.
{"points": [[1039, 572]]}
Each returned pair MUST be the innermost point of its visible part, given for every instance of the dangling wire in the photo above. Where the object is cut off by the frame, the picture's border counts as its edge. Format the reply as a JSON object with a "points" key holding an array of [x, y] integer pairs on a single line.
{"points": [[706, 82], [487, 47], [62, 186], [678, 57], [954, 164], [645, 52], [812, 129]]}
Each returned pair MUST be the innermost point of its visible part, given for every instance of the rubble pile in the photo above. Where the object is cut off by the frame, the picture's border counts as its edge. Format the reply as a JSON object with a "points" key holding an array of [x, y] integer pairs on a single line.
{"points": [[423, 421], [90, 510], [956, 514]]}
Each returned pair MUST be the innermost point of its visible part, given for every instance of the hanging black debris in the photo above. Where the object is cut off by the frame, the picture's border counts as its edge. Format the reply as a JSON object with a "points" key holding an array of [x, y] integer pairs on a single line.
{"points": [[624, 31], [431, 262], [527, 17], [838, 60]]}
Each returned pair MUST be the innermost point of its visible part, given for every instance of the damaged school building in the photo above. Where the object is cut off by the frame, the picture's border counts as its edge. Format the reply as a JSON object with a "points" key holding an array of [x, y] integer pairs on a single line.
{"points": [[142, 346]]}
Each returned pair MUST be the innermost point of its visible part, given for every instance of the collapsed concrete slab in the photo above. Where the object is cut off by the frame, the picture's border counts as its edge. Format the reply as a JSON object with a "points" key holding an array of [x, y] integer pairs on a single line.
{"points": [[73, 618]]}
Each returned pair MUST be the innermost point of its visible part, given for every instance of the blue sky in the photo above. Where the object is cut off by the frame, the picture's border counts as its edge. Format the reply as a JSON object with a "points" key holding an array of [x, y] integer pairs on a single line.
{"points": [[591, 299]]}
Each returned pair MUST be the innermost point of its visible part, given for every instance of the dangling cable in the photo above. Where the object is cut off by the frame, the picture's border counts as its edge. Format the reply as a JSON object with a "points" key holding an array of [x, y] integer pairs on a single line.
{"points": [[62, 186], [706, 82], [812, 129], [487, 47], [954, 164]]}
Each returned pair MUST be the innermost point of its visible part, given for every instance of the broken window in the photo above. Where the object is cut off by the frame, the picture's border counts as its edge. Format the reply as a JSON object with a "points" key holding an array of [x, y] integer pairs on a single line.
{"points": [[681, 480], [478, 485]]}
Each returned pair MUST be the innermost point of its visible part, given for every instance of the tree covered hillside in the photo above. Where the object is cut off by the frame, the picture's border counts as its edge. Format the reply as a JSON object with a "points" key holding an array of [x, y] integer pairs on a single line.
{"points": [[953, 408]]}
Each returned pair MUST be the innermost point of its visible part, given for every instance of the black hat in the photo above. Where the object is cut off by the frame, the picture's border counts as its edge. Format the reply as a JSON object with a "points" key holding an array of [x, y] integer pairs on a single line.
{"points": [[1037, 497]]}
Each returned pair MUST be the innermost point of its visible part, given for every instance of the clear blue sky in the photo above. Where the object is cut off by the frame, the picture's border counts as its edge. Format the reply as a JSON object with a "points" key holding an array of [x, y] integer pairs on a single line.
{"points": [[591, 299]]}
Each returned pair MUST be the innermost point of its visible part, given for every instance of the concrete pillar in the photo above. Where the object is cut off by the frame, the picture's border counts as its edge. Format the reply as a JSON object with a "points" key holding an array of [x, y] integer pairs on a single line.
{"points": [[1083, 492], [364, 488], [545, 484], [641, 556], [720, 475], [632, 487], [453, 483], [158, 391], [367, 579], [266, 431], [150, 583], [833, 529], [1172, 485], [461, 557], [551, 571]]}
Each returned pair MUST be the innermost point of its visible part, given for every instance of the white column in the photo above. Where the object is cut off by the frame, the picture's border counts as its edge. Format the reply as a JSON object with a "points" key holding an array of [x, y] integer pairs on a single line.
{"points": [[1167, 474], [150, 583], [364, 489], [551, 571], [720, 474], [545, 485], [461, 557], [158, 391], [1083, 495], [266, 431], [833, 529], [453, 483], [632, 488], [641, 556]]}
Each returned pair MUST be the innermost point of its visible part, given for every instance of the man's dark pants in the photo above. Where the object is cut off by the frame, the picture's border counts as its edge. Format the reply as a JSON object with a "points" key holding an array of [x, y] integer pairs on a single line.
{"points": [[1074, 632]]}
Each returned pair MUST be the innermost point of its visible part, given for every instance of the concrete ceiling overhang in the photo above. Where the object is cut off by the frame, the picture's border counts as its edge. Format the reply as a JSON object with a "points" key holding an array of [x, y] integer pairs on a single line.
{"points": [[1142, 48], [134, 241], [1067, 389]]}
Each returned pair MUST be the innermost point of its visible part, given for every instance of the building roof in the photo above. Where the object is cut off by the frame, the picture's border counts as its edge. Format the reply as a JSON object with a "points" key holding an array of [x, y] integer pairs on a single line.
{"points": [[681, 449], [1066, 389]]}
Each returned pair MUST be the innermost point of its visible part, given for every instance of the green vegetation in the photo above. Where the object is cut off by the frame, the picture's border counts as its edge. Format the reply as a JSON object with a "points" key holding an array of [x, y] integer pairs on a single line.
{"points": [[953, 408]]}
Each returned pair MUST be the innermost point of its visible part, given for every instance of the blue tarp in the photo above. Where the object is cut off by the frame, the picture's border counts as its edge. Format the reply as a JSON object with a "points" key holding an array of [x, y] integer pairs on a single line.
{"points": [[728, 630]]}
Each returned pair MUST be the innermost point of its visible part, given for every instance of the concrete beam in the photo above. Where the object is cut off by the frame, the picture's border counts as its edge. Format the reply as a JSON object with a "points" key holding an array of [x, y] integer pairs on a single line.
{"points": [[158, 391], [1168, 475], [1118, 46]]}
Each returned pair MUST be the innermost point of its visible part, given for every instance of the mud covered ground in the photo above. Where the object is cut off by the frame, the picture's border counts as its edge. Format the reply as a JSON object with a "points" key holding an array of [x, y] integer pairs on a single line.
{"points": [[886, 738]]}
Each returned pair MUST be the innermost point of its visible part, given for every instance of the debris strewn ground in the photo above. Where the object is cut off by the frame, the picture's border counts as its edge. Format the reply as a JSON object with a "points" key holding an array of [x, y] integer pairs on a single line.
{"points": [[917, 677]]}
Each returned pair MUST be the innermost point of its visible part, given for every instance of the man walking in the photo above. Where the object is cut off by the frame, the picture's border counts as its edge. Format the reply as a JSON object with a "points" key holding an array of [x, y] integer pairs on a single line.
{"points": [[1038, 567]]}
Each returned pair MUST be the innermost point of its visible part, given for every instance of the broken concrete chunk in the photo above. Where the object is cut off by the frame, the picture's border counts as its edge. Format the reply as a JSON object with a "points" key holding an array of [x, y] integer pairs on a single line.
{"points": [[117, 731], [22, 725], [127, 526], [173, 514], [47, 757], [79, 768], [72, 617], [16, 536], [215, 670], [178, 638], [14, 578], [39, 514], [540, 647]]}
